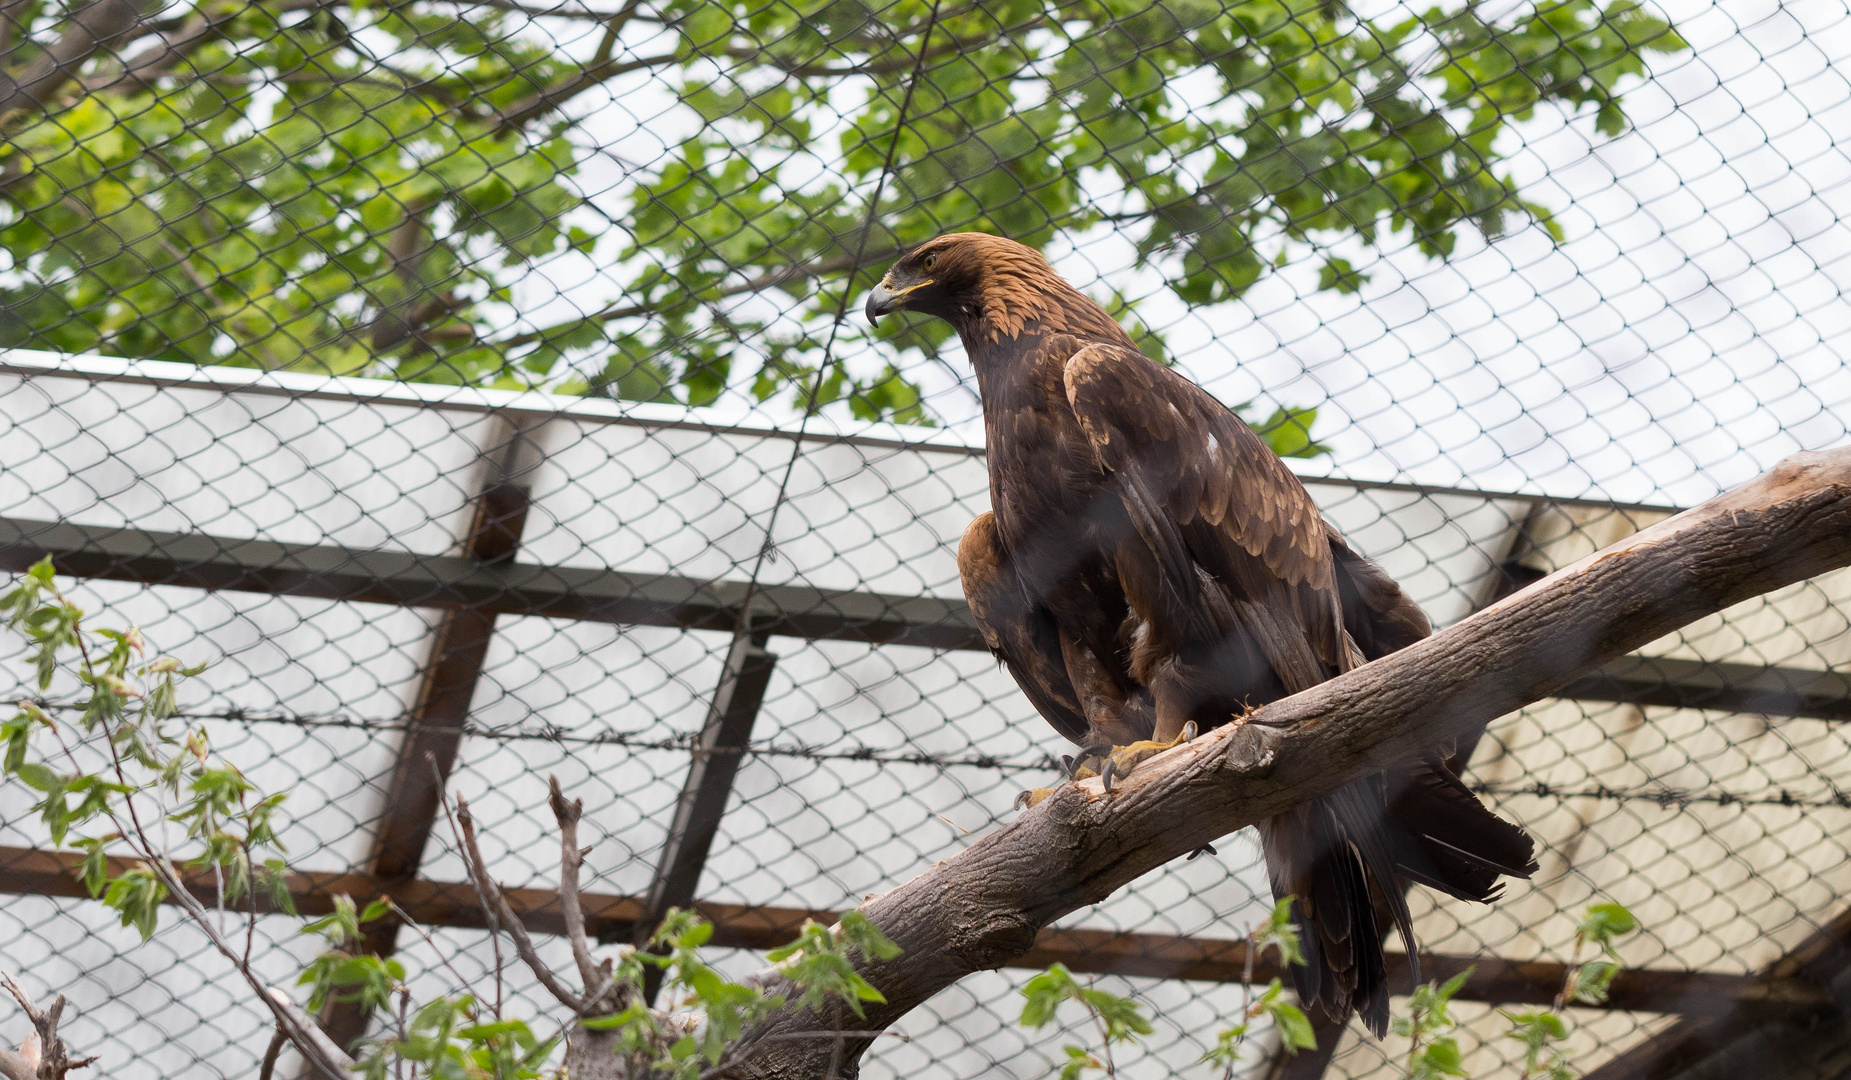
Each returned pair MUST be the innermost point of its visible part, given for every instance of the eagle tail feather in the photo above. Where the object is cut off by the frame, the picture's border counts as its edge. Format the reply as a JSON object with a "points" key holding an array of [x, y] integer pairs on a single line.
{"points": [[1346, 858], [1448, 840]]}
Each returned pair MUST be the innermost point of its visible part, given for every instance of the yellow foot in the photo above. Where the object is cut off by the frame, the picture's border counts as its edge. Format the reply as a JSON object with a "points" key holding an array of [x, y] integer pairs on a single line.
{"points": [[1031, 797], [1122, 759]]}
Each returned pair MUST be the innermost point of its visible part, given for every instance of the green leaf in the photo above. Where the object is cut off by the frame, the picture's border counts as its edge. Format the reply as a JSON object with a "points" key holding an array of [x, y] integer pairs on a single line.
{"points": [[95, 872], [1441, 1057], [1288, 432], [1590, 981], [136, 896], [1295, 1032], [38, 777], [1601, 924], [1280, 931], [1337, 275]]}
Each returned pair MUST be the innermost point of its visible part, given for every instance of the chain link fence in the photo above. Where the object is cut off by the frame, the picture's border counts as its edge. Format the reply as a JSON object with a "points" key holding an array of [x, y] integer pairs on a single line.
{"points": [[469, 382]]}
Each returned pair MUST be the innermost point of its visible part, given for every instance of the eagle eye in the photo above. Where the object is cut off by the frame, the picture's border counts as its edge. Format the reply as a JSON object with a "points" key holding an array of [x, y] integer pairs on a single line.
{"points": [[929, 263]]}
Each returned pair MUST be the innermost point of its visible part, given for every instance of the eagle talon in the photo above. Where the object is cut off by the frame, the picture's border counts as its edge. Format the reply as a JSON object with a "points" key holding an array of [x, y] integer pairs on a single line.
{"points": [[1120, 760], [1032, 796], [1205, 849]]}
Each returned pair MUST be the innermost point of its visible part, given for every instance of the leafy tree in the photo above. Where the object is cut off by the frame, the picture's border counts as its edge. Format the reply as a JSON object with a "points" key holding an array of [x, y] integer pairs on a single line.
{"points": [[359, 187]]}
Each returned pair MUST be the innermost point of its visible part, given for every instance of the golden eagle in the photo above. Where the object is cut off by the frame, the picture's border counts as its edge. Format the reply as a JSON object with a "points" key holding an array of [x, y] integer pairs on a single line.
{"points": [[1149, 566]]}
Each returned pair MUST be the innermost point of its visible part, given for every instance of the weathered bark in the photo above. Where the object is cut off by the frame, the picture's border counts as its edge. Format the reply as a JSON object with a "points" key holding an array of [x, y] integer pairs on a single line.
{"points": [[981, 908], [43, 1055]]}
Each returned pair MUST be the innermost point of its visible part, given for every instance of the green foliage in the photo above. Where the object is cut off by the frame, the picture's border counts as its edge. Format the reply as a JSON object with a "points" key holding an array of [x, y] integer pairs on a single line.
{"points": [[1587, 983], [1289, 1020], [729, 1007], [1537, 1030], [1294, 1028], [1323, 132], [124, 711], [820, 962], [1279, 933], [1288, 431], [1602, 924], [1118, 1019], [209, 220], [271, 196], [448, 1038], [1432, 1051]]}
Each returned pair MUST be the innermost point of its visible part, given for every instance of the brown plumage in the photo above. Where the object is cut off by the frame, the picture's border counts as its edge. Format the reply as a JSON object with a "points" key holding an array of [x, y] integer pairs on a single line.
{"points": [[1150, 562]]}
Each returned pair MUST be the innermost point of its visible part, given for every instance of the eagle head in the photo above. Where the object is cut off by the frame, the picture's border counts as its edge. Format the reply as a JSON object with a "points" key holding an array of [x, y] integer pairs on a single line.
{"points": [[947, 276], [992, 290]]}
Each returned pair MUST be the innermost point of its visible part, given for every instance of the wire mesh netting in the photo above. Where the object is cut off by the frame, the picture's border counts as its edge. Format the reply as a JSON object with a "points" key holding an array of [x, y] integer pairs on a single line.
{"points": [[1507, 282]]}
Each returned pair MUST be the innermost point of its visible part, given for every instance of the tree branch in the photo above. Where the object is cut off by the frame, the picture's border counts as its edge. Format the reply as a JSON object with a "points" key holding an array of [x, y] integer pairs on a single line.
{"points": [[984, 906], [98, 24], [771, 280], [12, 12], [490, 893], [140, 70], [43, 1055], [570, 859], [531, 108]]}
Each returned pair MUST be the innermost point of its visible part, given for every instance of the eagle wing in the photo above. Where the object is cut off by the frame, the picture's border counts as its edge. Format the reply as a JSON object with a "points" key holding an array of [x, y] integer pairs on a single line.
{"points": [[1202, 488], [1022, 635]]}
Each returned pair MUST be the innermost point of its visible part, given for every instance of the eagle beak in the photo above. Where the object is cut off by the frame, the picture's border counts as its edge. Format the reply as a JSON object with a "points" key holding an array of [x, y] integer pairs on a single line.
{"points": [[884, 298]]}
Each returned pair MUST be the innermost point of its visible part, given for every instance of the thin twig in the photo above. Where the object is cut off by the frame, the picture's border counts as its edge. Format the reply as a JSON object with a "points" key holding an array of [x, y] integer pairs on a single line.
{"points": [[492, 895], [276, 1049], [404, 1033], [442, 957], [488, 911], [570, 859]]}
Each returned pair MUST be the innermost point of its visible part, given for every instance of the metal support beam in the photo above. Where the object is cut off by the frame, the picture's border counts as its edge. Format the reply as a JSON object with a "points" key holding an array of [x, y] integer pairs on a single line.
{"points": [[434, 731], [615, 918], [708, 785], [201, 561], [450, 582]]}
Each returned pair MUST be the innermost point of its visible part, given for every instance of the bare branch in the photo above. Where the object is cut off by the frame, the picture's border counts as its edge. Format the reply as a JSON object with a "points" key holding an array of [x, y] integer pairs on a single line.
{"points": [[894, 66], [490, 892], [554, 11], [306, 1033], [100, 23], [277, 1041], [771, 280], [984, 906], [144, 67], [42, 1055], [11, 26], [570, 859], [539, 104]]}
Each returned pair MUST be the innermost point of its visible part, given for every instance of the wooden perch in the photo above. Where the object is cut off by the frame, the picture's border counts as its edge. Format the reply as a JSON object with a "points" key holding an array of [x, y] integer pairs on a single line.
{"points": [[984, 906]]}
